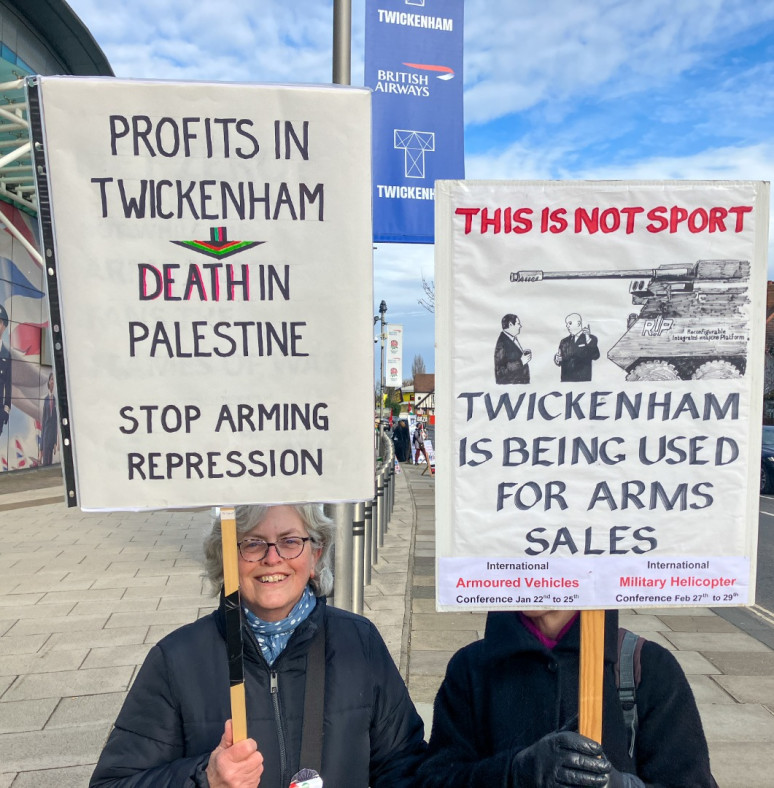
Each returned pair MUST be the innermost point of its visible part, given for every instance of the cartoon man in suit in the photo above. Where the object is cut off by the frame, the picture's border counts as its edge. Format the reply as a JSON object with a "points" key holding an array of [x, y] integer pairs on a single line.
{"points": [[5, 373], [510, 358], [576, 351]]}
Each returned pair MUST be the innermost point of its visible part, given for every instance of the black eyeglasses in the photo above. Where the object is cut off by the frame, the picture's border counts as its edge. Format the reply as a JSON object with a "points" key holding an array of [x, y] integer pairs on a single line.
{"points": [[287, 548]]}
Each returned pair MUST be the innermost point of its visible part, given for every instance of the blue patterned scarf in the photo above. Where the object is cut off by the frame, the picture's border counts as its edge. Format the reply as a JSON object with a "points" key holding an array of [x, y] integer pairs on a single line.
{"points": [[273, 636]]}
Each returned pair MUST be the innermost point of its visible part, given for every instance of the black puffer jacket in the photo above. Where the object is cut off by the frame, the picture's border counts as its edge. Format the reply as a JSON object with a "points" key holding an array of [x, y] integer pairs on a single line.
{"points": [[174, 714], [503, 693]]}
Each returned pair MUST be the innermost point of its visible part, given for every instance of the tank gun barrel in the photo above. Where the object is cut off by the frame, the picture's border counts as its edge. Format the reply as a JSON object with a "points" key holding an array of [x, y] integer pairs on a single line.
{"points": [[700, 271], [630, 273]]}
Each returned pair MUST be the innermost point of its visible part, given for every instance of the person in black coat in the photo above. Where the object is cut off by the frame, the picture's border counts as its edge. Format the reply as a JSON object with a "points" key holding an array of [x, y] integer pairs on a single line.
{"points": [[576, 351], [174, 728], [507, 711], [402, 441], [510, 359]]}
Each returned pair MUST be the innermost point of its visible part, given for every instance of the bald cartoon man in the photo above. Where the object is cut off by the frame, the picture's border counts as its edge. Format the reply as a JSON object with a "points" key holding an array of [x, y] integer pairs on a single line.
{"points": [[576, 351]]}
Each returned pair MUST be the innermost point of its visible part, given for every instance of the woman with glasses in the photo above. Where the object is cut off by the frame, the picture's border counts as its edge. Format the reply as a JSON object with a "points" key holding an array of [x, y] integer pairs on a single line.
{"points": [[174, 728]]}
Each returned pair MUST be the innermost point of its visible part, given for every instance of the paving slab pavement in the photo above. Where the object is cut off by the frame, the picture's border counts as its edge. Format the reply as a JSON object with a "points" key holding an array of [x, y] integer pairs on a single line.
{"points": [[83, 596]]}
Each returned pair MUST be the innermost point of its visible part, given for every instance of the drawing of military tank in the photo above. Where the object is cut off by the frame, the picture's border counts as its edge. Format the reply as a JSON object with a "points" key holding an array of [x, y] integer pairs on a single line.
{"points": [[692, 325]]}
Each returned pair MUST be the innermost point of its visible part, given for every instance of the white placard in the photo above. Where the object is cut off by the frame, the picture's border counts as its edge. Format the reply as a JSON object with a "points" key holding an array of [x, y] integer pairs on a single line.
{"points": [[393, 371], [599, 362], [212, 244], [430, 449]]}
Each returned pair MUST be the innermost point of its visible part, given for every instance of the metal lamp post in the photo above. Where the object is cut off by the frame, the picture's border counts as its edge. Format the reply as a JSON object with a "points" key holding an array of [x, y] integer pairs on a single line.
{"points": [[342, 38], [345, 595]]}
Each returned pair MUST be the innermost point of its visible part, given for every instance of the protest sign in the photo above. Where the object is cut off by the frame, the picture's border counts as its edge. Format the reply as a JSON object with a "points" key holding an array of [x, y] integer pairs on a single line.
{"points": [[208, 249], [600, 359], [429, 448]]}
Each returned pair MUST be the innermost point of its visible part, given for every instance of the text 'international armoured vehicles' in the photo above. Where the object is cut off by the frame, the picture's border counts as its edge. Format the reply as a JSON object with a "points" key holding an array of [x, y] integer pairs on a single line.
{"points": [[693, 323]]}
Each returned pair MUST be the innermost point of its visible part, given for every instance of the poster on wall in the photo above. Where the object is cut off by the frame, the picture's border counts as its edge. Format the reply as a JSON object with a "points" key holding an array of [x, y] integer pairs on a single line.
{"points": [[600, 372], [393, 371], [209, 264], [28, 435]]}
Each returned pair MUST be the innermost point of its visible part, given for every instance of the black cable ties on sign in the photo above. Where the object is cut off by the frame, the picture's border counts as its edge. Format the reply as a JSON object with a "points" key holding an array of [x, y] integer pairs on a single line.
{"points": [[236, 673]]}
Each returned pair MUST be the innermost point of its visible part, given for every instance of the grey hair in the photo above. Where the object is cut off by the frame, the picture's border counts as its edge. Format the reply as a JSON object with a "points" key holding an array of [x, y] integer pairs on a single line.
{"points": [[318, 525]]}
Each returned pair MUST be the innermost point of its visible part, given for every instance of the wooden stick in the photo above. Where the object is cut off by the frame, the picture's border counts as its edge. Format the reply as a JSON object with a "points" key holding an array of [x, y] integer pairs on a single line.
{"points": [[238, 712], [591, 671], [233, 622]]}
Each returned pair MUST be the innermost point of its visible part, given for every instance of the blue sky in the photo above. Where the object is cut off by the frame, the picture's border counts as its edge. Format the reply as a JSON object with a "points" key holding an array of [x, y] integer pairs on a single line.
{"points": [[562, 89]]}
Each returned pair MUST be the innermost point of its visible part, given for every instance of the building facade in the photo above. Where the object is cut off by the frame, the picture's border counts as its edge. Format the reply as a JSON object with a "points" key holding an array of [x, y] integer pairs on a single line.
{"points": [[36, 37]]}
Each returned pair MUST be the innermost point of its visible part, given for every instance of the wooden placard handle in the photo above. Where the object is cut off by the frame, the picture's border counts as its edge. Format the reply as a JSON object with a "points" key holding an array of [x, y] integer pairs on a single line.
{"points": [[231, 587], [591, 672]]}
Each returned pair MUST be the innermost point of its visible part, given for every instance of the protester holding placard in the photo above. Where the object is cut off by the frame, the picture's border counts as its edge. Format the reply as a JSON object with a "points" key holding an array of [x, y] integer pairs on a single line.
{"points": [[420, 435], [507, 712], [174, 728], [402, 441]]}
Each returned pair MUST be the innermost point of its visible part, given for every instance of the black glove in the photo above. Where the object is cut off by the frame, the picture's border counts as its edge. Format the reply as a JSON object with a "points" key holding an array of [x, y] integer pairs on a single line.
{"points": [[562, 760]]}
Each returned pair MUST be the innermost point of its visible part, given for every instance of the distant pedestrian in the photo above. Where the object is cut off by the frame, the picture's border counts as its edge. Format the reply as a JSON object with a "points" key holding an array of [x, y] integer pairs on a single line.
{"points": [[402, 441], [419, 442]]}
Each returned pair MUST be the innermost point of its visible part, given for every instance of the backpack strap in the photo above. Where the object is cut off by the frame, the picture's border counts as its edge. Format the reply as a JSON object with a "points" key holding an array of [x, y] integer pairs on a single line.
{"points": [[314, 702], [628, 678]]}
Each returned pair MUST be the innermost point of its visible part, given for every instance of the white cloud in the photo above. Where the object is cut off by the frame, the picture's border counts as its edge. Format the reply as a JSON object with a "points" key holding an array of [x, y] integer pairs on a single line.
{"points": [[518, 56], [750, 163], [517, 161], [231, 40]]}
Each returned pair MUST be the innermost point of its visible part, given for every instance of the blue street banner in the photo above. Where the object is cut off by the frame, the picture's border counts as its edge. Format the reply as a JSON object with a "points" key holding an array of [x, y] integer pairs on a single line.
{"points": [[413, 64]]}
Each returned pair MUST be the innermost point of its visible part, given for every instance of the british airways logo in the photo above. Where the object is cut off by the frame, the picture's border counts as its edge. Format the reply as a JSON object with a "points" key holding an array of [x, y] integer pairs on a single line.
{"points": [[444, 72]]}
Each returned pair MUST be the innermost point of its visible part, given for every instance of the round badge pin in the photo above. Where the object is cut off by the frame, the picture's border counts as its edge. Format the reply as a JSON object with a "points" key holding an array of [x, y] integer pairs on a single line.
{"points": [[306, 778]]}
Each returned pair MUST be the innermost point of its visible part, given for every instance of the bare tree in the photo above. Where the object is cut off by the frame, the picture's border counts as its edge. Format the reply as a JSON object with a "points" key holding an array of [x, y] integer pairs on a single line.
{"points": [[418, 367], [428, 302]]}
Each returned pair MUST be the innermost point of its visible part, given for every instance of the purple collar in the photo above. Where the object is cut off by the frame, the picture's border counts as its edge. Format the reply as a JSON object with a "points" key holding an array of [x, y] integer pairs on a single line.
{"points": [[548, 642]]}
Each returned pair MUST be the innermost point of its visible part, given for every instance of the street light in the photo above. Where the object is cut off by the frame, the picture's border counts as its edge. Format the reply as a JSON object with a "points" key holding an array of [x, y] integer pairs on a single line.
{"points": [[382, 337]]}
